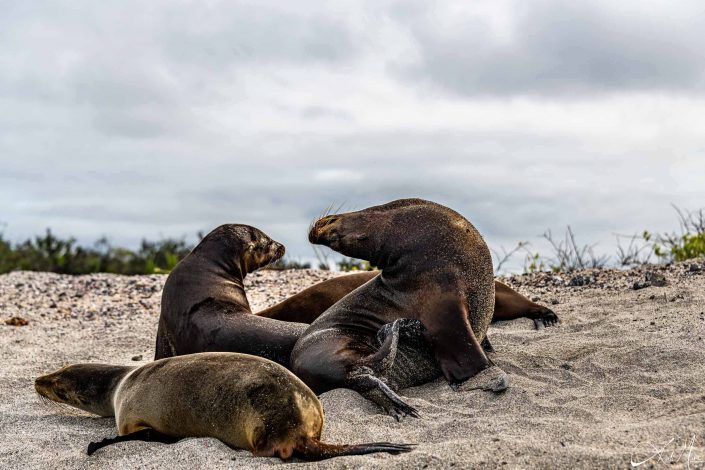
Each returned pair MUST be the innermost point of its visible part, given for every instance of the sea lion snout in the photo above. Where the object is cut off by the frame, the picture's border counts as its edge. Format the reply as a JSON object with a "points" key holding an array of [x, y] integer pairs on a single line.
{"points": [[324, 229], [43, 384], [51, 386], [277, 250]]}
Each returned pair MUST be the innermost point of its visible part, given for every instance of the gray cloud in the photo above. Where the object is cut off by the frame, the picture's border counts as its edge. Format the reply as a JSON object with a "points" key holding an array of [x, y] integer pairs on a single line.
{"points": [[561, 48], [133, 119]]}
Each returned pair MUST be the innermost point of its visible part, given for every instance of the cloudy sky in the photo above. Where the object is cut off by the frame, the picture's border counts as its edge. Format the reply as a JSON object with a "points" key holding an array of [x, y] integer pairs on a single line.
{"points": [[140, 119]]}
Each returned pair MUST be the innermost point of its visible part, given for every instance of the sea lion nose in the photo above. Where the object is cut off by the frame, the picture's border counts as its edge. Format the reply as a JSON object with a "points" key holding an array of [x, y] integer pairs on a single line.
{"points": [[320, 227], [41, 384]]}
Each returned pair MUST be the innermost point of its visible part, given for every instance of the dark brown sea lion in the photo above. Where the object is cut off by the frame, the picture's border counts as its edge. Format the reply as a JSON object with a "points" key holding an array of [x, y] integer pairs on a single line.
{"points": [[204, 306], [435, 268], [245, 401], [310, 303]]}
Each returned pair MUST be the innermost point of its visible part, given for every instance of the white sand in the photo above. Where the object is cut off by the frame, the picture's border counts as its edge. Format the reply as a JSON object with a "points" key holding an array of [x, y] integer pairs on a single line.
{"points": [[624, 372]]}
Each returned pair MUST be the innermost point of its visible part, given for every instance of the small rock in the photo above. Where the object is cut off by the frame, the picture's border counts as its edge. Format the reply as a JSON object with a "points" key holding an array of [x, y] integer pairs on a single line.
{"points": [[535, 299], [16, 321], [656, 279], [554, 302], [694, 268], [137, 357], [565, 366], [581, 281], [652, 323]]}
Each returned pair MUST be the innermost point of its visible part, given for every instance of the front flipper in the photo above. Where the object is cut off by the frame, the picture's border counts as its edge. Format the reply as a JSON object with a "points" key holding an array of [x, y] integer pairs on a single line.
{"points": [[458, 352], [146, 434]]}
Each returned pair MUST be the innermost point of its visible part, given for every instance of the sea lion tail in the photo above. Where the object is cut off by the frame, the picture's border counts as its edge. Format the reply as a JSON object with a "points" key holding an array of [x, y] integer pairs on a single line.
{"points": [[313, 449]]}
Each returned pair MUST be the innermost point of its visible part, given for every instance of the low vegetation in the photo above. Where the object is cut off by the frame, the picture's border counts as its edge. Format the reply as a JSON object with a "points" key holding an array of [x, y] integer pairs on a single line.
{"points": [[566, 254], [51, 253]]}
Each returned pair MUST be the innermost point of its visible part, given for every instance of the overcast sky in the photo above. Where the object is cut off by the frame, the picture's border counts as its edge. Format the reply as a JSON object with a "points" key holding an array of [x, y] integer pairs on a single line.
{"points": [[140, 119]]}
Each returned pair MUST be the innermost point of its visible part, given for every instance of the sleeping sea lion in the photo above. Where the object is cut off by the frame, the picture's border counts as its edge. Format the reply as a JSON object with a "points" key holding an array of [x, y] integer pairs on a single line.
{"points": [[245, 401]]}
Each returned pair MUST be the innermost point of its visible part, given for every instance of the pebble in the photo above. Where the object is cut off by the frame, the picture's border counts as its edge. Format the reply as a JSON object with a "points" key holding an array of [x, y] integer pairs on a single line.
{"points": [[51, 297]]}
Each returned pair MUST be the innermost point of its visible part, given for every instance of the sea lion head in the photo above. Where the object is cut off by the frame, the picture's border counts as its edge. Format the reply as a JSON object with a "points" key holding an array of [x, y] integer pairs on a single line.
{"points": [[260, 251], [243, 245], [85, 386], [384, 234]]}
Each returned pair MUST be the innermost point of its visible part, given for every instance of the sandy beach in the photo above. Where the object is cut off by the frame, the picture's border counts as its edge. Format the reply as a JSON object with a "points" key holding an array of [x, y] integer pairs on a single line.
{"points": [[620, 380]]}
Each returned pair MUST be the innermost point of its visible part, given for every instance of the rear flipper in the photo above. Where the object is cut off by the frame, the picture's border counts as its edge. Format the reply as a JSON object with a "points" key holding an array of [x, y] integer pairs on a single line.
{"points": [[545, 317], [313, 449], [146, 434], [510, 304]]}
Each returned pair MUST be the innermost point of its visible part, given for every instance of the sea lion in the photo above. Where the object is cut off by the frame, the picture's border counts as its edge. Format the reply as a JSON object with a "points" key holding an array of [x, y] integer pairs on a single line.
{"points": [[435, 268], [245, 401], [310, 303], [204, 306]]}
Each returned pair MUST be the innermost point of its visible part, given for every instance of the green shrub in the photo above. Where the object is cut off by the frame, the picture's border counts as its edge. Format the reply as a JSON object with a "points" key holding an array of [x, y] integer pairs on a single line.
{"points": [[689, 244], [352, 264], [65, 256]]}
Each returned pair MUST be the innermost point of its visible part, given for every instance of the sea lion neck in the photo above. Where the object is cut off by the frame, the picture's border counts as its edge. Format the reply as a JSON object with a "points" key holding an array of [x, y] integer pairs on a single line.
{"points": [[225, 259], [413, 269], [104, 384]]}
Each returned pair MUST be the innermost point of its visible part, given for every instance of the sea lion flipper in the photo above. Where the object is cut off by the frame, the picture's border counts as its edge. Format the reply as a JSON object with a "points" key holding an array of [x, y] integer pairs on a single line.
{"points": [[146, 434], [313, 449], [455, 346], [492, 379], [546, 317], [510, 305]]}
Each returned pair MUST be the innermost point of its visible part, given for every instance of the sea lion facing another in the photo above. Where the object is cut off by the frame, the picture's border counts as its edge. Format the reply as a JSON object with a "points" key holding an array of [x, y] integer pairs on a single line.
{"points": [[310, 303], [204, 306], [436, 269], [245, 401]]}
